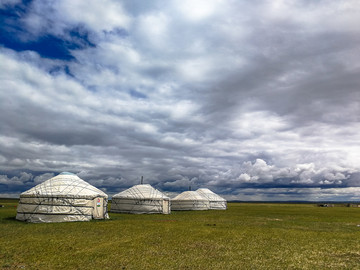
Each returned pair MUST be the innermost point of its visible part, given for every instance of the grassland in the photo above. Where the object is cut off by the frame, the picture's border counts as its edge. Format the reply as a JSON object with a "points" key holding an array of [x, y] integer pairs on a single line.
{"points": [[246, 236]]}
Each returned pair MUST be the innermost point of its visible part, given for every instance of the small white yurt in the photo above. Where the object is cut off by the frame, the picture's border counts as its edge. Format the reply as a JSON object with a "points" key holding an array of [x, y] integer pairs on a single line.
{"points": [[189, 200], [62, 198], [216, 202], [140, 199]]}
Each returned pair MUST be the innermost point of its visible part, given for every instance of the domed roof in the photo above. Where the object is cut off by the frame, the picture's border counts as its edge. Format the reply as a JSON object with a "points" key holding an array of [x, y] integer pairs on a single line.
{"points": [[211, 196], [190, 196], [64, 185], [141, 192]]}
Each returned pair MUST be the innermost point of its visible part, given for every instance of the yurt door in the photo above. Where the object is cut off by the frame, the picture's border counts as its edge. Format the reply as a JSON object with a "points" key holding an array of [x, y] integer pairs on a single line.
{"points": [[166, 207], [98, 208]]}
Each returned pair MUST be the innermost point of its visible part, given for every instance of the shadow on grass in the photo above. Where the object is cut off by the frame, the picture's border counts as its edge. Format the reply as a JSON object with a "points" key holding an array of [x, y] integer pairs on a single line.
{"points": [[13, 219]]}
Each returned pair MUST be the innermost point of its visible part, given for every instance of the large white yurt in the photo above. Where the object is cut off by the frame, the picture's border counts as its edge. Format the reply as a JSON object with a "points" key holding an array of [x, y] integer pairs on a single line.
{"points": [[189, 200], [62, 198], [216, 202], [140, 199]]}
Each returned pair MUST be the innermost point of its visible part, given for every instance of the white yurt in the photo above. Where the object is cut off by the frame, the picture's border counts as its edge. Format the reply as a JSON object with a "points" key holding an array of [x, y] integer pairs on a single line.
{"points": [[62, 198], [216, 202], [189, 200], [140, 199]]}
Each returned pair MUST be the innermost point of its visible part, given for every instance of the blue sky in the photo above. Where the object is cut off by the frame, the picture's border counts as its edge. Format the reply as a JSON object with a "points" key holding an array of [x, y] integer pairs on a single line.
{"points": [[256, 100]]}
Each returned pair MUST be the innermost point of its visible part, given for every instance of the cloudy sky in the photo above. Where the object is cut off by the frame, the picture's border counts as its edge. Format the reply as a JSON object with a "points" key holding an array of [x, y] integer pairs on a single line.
{"points": [[256, 100]]}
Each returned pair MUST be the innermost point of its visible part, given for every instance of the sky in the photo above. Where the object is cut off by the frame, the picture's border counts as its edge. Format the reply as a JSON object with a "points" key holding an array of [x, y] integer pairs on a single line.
{"points": [[255, 100]]}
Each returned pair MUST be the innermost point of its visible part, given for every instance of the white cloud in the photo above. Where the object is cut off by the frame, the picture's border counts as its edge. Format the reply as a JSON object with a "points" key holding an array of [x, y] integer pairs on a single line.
{"points": [[97, 16], [13, 181], [153, 28], [198, 9], [245, 177]]}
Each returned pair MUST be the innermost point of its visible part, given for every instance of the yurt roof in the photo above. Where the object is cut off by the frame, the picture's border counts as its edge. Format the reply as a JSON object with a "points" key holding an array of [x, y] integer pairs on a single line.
{"points": [[141, 191], [190, 196], [207, 193], [64, 185]]}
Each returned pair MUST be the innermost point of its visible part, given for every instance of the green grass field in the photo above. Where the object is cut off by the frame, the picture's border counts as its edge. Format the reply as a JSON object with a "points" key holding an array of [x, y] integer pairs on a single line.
{"points": [[246, 236]]}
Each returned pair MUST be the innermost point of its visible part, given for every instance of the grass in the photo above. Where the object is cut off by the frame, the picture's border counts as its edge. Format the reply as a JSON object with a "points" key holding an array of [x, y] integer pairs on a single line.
{"points": [[246, 236]]}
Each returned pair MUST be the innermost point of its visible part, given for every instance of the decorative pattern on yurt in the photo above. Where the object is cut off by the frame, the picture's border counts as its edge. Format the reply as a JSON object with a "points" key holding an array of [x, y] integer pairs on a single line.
{"points": [[140, 199], [189, 200], [215, 201], [62, 198]]}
